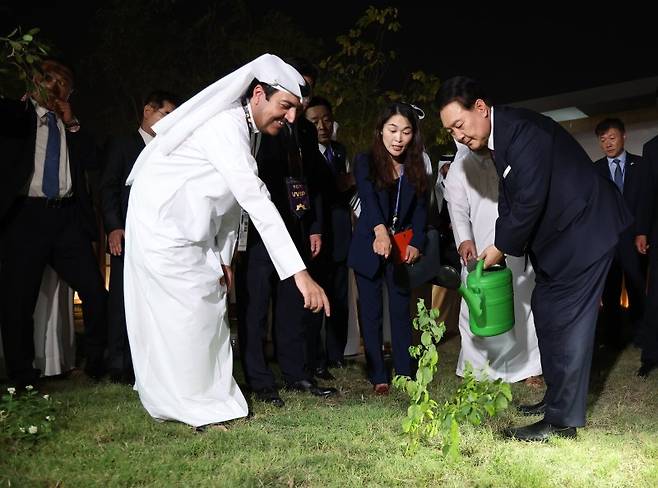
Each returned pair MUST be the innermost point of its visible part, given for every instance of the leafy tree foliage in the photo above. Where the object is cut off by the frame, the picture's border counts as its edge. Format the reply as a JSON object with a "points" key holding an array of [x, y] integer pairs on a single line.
{"points": [[353, 78]]}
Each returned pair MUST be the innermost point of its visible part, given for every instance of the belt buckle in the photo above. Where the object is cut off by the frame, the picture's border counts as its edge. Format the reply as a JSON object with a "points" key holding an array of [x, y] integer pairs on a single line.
{"points": [[54, 202]]}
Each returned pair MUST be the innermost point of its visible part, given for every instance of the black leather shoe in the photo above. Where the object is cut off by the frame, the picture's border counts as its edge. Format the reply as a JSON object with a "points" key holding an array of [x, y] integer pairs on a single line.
{"points": [[311, 387], [121, 377], [539, 432], [646, 368], [95, 373], [536, 409], [30, 378], [271, 396], [338, 364], [95, 368], [323, 374]]}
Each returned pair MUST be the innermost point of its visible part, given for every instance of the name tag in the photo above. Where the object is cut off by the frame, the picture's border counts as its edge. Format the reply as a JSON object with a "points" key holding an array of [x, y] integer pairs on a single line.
{"points": [[298, 197], [243, 231]]}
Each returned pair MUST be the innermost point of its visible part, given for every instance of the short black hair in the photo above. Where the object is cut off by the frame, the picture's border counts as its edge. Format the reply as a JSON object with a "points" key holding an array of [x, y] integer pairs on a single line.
{"points": [[610, 123], [460, 89], [268, 89], [320, 102], [304, 67], [159, 97]]}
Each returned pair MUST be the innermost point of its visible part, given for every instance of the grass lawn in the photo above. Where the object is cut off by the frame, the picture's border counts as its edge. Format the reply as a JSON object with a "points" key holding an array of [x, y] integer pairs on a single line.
{"points": [[103, 437]]}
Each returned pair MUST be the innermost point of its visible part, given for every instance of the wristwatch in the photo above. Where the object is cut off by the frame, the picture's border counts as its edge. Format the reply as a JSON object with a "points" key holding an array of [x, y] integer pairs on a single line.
{"points": [[73, 126]]}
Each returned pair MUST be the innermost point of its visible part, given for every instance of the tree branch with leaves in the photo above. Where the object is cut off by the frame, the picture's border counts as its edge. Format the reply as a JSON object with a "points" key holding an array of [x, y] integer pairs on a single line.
{"points": [[21, 54]]}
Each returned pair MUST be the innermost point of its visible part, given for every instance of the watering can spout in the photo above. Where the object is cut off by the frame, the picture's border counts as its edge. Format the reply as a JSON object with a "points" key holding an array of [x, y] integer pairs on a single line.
{"points": [[473, 302]]}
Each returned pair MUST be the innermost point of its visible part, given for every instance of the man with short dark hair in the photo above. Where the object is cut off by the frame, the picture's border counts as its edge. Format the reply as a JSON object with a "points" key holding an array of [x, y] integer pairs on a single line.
{"points": [[120, 155], [554, 208], [46, 217], [630, 175], [330, 267]]}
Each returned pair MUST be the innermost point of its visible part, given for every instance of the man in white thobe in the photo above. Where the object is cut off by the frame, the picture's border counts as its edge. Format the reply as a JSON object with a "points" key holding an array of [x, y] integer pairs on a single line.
{"points": [[471, 191], [187, 189]]}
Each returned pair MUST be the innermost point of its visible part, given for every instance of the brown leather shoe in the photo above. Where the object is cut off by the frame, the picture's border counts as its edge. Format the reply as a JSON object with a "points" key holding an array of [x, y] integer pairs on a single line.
{"points": [[381, 388]]}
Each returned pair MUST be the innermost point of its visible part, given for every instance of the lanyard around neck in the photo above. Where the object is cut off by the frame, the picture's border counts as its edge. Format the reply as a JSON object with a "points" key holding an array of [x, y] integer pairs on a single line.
{"points": [[397, 201]]}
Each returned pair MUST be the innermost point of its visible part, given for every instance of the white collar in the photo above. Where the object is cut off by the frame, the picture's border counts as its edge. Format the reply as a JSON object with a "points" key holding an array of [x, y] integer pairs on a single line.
{"points": [[145, 135], [41, 111], [490, 142]]}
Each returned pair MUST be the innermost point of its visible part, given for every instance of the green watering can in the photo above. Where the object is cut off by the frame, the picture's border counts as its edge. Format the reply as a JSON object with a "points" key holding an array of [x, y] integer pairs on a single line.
{"points": [[489, 296]]}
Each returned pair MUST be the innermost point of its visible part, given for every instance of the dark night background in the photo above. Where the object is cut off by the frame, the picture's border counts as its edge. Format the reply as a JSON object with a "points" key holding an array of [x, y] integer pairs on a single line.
{"points": [[516, 54]]}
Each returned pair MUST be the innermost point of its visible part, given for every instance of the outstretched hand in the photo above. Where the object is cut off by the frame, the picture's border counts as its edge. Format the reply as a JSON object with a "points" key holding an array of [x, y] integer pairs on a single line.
{"points": [[315, 299]]}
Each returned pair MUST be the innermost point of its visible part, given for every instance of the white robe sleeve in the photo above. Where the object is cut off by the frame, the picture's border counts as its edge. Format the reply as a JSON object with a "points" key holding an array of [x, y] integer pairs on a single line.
{"points": [[225, 142], [228, 235], [459, 207]]}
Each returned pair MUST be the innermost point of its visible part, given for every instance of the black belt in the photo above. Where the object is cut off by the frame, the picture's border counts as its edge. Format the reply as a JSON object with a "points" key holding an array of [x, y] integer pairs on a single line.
{"points": [[51, 202]]}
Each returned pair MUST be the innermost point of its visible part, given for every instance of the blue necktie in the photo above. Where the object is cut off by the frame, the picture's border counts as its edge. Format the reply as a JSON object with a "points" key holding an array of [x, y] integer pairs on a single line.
{"points": [[619, 177], [51, 163], [329, 155]]}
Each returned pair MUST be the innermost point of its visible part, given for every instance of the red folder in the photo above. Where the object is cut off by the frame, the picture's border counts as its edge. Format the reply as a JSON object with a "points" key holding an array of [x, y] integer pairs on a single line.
{"points": [[400, 242]]}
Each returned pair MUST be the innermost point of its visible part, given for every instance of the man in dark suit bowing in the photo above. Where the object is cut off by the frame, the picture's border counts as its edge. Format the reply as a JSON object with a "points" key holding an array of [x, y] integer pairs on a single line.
{"points": [[554, 208], [46, 217], [649, 356], [120, 155], [630, 175]]}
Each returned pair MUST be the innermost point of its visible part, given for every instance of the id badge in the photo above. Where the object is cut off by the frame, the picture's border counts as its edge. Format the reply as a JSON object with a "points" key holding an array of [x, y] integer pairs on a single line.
{"points": [[243, 231], [298, 197]]}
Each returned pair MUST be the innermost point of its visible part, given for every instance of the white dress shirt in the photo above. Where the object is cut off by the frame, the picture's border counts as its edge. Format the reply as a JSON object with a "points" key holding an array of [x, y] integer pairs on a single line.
{"points": [[36, 184]]}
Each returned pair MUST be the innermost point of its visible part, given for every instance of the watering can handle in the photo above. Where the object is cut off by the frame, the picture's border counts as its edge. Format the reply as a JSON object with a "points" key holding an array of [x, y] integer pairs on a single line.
{"points": [[479, 269]]}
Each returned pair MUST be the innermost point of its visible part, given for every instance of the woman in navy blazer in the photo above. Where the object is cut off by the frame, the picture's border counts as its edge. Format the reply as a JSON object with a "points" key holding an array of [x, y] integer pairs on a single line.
{"points": [[392, 183]]}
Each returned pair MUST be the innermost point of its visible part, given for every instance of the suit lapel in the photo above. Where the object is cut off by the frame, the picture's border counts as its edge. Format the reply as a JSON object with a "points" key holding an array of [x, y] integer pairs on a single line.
{"points": [[382, 198], [406, 196], [339, 157], [631, 165], [138, 143], [502, 136]]}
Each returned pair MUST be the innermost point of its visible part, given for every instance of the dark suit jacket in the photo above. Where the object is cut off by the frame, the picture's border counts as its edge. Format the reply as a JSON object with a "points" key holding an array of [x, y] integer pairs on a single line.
{"points": [[636, 190], [278, 158], [650, 155], [119, 158], [553, 205], [375, 210], [337, 219], [18, 129]]}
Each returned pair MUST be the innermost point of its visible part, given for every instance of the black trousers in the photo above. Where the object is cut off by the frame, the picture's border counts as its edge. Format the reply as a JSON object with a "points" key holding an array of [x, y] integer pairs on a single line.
{"points": [[258, 282], [565, 312], [650, 332], [118, 347], [626, 265], [34, 236], [332, 277]]}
